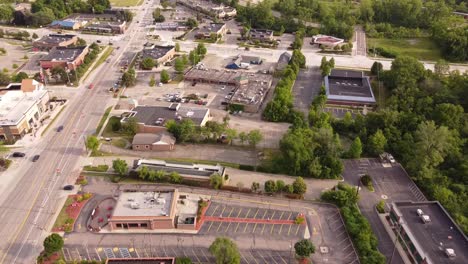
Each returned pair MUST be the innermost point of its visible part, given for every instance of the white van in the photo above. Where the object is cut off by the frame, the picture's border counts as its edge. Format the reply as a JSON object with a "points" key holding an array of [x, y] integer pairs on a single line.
{"points": [[419, 212]]}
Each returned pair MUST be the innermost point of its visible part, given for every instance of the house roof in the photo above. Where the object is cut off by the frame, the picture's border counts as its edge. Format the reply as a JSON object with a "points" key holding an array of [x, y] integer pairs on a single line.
{"points": [[150, 139], [54, 38], [156, 52]]}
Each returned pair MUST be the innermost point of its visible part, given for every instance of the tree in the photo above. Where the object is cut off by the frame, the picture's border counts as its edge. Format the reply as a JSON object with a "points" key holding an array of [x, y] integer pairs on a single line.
{"points": [[164, 76], [216, 181], [157, 16], [35, 36], [355, 150], [147, 63], [441, 68], [128, 15], [43, 17], [129, 78], [376, 68], [299, 186], [191, 23], [405, 72], [6, 12], [174, 177], [255, 186], [143, 173], [130, 127], [201, 49], [152, 81], [304, 248], [59, 74], [4, 78], [120, 166], [280, 185], [254, 137], [179, 65], [270, 186], [243, 137], [92, 143], [81, 42], [225, 251], [377, 143], [53, 243], [183, 260], [19, 77], [177, 47], [231, 134]]}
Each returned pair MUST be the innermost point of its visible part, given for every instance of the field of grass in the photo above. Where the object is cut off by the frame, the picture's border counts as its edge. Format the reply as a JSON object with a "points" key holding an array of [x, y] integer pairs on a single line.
{"points": [[420, 48], [120, 3], [103, 119], [63, 215]]}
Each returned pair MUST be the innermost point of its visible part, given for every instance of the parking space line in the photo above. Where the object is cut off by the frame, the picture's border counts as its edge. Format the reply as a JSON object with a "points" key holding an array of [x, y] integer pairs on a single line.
{"points": [[272, 226], [221, 215], [263, 217], [297, 230], [255, 216], [271, 256], [281, 228], [211, 223], [245, 228], [204, 255], [290, 214], [216, 208], [195, 254], [253, 257], [78, 253], [227, 228], [99, 257], [289, 230], [263, 257], [220, 224], [232, 209], [242, 255], [247, 213], [264, 225], [237, 227], [282, 213], [255, 226], [273, 215], [239, 212]]}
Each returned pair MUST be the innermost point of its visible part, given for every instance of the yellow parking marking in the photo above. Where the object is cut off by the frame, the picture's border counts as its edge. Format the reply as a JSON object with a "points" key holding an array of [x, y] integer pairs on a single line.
{"points": [[314, 230], [247, 213], [239, 212], [215, 210], [281, 228], [232, 209], [282, 213], [221, 215], [290, 214], [116, 249], [255, 226], [237, 227], [273, 215], [220, 224], [211, 223], [245, 228], [255, 216], [297, 230], [263, 229], [263, 217], [272, 226], [99, 249], [227, 228], [131, 249], [289, 230]]}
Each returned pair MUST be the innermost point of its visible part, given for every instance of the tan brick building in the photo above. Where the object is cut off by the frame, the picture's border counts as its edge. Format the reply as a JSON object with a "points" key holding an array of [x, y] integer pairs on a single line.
{"points": [[64, 57], [162, 141]]}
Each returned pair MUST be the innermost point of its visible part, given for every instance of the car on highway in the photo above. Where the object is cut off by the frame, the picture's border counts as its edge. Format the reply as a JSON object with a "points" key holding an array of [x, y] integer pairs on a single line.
{"points": [[18, 154], [60, 128], [68, 187], [35, 158]]}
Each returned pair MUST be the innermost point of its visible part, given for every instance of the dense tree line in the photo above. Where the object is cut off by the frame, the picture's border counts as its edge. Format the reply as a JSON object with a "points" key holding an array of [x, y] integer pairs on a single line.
{"points": [[345, 197], [280, 109], [425, 126]]}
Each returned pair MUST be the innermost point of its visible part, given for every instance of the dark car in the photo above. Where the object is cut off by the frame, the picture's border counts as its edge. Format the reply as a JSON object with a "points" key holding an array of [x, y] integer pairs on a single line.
{"points": [[98, 41], [68, 187], [60, 128], [35, 158], [18, 154]]}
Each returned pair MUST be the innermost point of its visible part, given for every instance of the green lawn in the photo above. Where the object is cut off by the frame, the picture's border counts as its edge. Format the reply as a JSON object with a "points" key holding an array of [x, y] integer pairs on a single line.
{"points": [[63, 215], [420, 48], [103, 119], [117, 3], [108, 132]]}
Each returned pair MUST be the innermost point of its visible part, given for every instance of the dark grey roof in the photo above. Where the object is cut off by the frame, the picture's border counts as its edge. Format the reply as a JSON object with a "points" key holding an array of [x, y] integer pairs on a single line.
{"points": [[441, 229], [156, 52], [345, 85], [211, 28], [63, 54], [55, 38], [150, 114], [346, 73]]}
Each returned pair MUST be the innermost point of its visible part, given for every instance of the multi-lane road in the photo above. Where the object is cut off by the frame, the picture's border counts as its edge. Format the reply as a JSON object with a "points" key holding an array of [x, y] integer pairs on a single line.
{"points": [[28, 208]]}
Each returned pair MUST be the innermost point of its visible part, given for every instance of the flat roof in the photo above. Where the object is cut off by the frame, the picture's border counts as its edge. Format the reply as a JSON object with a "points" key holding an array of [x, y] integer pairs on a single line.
{"points": [[167, 260], [137, 204], [345, 85], [63, 54], [159, 115], [211, 28], [252, 92], [15, 104], [324, 39], [185, 169], [156, 52], [55, 38], [433, 237]]}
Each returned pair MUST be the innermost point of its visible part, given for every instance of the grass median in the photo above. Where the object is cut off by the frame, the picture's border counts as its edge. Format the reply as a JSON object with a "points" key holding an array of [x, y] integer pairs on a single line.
{"points": [[103, 119], [120, 3]]}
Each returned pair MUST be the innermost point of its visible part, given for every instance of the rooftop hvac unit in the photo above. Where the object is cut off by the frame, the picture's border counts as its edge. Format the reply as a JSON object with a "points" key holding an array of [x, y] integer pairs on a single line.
{"points": [[161, 201], [135, 205]]}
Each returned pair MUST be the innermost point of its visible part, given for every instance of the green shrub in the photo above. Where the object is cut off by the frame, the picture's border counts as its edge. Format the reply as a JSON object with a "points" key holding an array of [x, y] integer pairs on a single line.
{"points": [[380, 206], [246, 167], [98, 168]]}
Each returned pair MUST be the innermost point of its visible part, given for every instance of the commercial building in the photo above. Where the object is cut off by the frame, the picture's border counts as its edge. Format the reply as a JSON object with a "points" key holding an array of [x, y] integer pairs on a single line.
{"points": [[64, 57], [69, 24], [152, 119], [173, 26], [327, 41], [55, 40], [250, 88], [216, 29], [427, 233], [192, 171], [161, 260], [154, 209], [244, 62], [106, 27], [349, 88], [162, 141], [160, 54], [262, 35], [21, 110]]}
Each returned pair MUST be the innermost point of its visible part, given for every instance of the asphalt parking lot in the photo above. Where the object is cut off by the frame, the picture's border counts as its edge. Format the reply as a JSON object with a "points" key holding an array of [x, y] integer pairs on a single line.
{"points": [[340, 112], [306, 87], [196, 254], [240, 220]]}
